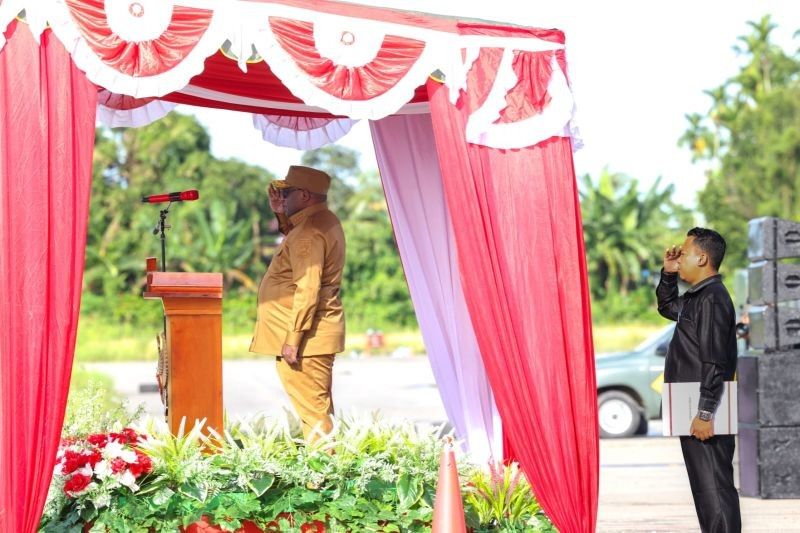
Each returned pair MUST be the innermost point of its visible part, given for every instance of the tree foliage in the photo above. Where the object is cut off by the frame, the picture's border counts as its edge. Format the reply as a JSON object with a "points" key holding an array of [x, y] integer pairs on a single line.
{"points": [[750, 139], [375, 289], [227, 230], [624, 228]]}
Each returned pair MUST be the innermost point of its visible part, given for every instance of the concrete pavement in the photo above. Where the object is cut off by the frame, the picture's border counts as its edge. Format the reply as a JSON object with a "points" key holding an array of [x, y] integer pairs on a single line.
{"points": [[402, 388], [643, 483], [644, 487]]}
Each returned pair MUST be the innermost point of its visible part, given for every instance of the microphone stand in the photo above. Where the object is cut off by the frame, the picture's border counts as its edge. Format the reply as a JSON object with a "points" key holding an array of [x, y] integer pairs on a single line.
{"points": [[160, 228]]}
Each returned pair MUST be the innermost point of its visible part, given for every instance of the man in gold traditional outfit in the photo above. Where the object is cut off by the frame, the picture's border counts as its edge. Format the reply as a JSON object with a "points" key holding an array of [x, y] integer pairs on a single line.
{"points": [[300, 316]]}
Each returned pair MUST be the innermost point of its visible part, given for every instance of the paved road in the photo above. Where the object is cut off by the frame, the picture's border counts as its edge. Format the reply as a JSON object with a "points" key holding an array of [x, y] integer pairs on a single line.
{"points": [[396, 387], [643, 483], [644, 487]]}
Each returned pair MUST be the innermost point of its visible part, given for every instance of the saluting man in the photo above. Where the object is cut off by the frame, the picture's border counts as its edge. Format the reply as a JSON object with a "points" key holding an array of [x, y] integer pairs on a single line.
{"points": [[300, 316], [703, 349]]}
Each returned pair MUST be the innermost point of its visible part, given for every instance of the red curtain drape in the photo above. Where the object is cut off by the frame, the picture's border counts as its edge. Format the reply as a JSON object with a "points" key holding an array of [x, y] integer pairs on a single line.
{"points": [[47, 114], [520, 245]]}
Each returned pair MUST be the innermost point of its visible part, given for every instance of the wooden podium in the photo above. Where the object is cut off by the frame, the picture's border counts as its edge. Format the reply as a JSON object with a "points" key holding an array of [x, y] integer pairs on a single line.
{"points": [[193, 348]]}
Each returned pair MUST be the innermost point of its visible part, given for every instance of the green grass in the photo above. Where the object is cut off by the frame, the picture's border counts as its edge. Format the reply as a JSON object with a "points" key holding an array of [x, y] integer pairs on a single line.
{"points": [[82, 378], [99, 340], [621, 337]]}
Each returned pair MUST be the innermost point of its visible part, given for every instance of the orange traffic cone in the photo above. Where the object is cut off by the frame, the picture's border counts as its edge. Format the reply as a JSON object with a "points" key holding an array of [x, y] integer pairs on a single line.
{"points": [[448, 510]]}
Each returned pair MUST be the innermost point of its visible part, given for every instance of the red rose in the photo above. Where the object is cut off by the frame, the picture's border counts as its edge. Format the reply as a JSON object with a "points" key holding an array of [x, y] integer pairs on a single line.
{"points": [[118, 465], [143, 465], [92, 457], [72, 461], [98, 439], [130, 435], [147, 464], [76, 483], [135, 469]]}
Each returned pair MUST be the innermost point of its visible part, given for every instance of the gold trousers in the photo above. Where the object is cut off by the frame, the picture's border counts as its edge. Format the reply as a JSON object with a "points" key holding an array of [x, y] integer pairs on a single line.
{"points": [[309, 385]]}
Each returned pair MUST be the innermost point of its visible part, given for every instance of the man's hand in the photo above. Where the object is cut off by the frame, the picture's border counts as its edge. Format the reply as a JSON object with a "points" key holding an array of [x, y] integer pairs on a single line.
{"points": [[671, 256], [289, 354], [275, 200], [702, 430]]}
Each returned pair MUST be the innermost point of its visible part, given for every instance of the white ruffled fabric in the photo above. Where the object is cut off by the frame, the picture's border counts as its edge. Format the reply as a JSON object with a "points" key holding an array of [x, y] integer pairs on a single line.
{"points": [[302, 133], [243, 22], [133, 118], [554, 119], [456, 70]]}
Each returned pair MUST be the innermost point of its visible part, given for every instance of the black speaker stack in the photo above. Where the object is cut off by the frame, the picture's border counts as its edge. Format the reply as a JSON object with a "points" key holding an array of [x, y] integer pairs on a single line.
{"points": [[769, 373]]}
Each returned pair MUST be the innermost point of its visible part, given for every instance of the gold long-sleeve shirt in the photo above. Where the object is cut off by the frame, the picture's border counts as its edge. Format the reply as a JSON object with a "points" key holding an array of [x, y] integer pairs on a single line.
{"points": [[298, 299]]}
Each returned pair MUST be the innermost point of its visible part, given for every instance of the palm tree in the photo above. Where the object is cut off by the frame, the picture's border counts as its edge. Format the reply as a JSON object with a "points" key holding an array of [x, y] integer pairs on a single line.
{"points": [[217, 242], [756, 78], [624, 228], [703, 143]]}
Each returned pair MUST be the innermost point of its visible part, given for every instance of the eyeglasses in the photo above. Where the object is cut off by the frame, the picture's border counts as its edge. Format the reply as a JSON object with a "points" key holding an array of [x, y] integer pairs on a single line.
{"points": [[289, 190]]}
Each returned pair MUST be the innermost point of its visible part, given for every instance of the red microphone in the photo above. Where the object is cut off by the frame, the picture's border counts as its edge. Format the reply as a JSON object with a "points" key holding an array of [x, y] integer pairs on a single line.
{"points": [[183, 196]]}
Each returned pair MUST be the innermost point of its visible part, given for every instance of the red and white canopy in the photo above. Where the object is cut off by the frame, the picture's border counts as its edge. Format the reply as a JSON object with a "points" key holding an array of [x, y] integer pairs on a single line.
{"points": [[305, 59], [478, 174]]}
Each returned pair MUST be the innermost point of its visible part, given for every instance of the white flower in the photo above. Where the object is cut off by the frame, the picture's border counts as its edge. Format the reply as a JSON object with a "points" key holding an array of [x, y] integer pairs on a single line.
{"points": [[101, 469], [116, 449], [127, 479]]}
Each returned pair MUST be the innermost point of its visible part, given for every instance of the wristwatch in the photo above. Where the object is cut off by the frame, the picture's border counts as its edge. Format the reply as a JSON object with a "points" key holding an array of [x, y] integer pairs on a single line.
{"points": [[705, 416]]}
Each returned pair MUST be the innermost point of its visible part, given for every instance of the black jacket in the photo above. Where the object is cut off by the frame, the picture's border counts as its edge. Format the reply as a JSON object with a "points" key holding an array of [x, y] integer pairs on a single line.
{"points": [[703, 347]]}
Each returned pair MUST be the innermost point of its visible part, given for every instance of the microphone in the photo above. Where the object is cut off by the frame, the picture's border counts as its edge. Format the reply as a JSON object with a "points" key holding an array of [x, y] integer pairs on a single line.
{"points": [[182, 196]]}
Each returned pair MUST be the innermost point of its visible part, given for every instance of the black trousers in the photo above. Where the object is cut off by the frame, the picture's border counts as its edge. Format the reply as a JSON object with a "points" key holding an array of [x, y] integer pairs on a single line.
{"points": [[710, 467]]}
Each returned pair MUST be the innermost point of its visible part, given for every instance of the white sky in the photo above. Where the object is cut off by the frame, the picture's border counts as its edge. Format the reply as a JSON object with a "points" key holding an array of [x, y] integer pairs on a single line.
{"points": [[637, 67]]}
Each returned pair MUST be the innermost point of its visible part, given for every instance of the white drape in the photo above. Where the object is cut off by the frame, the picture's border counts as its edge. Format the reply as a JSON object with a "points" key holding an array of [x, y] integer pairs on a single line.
{"points": [[409, 168]]}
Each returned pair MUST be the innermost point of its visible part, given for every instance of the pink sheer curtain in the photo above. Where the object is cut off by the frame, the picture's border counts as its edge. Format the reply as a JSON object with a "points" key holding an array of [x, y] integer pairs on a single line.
{"points": [[409, 167], [47, 113], [520, 246]]}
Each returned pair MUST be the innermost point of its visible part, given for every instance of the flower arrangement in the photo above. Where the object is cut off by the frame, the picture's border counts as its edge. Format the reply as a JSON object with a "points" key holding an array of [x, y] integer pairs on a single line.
{"points": [[95, 469], [368, 475]]}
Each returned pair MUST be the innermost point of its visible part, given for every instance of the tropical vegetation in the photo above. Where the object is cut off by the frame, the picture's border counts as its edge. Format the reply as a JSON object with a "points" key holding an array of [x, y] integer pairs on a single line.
{"points": [[749, 139], [368, 475]]}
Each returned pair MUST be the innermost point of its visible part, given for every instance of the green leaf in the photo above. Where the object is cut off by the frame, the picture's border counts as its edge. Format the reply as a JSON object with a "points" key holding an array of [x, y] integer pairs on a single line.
{"points": [[376, 488], [162, 496], [193, 491], [409, 490], [260, 485], [89, 512]]}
